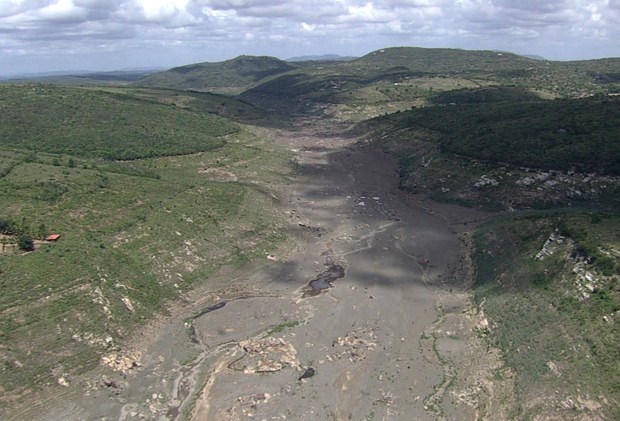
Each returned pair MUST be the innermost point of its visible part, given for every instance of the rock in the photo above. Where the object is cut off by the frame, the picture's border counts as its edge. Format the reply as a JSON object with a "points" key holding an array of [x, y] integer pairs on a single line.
{"points": [[267, 355], [526, 181], [553, 368], [122, 363], [307, 374], [486, 181], [128, 304], [483, 324], [106, 382]]}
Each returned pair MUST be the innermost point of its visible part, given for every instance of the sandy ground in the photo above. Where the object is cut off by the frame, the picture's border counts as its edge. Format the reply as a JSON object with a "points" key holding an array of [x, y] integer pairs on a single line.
{"points": [[395, 338]]}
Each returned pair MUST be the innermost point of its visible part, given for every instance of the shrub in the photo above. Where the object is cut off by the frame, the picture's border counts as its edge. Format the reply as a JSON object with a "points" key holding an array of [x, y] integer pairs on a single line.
{"points": [[25, 242]]}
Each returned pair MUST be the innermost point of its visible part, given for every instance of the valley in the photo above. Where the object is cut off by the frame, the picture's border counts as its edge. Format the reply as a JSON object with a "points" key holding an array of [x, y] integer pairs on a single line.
{"points": [[415, 234]]}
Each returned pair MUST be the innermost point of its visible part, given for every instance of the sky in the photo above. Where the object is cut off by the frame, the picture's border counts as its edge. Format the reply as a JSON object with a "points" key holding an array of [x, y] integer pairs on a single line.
{"points": [[53, 35]]}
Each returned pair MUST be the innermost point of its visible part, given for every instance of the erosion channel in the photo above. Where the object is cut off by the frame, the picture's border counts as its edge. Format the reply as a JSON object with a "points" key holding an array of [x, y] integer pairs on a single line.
{"points": [[366, 316]]}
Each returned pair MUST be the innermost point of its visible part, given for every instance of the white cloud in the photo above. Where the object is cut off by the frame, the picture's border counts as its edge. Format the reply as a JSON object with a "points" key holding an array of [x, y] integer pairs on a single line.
{"points": [[555, 28]]}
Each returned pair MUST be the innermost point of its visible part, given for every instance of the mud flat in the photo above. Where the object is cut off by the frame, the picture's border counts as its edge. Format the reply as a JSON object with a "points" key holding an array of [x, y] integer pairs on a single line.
{"points": [[365, 317], [375, 319]]}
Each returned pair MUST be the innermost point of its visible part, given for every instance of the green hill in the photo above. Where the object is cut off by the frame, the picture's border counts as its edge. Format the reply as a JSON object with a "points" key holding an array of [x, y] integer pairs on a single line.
{"points": [[229, 77], [444, 61], [577, 134], [487, 95], [135, 235], [97, 124], [395, 79]]}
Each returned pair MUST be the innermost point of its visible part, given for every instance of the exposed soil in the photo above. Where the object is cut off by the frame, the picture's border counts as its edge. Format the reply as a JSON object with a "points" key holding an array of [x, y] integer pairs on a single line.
{"points": [[366, 315]]}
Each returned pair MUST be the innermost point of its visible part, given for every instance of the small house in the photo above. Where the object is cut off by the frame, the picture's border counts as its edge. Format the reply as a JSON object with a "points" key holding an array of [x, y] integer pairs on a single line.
{"points": [[53, 237]]}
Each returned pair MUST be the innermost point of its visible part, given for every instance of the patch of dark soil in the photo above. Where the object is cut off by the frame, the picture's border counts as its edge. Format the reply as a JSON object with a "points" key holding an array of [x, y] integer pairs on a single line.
{"points": [[324, 280]]}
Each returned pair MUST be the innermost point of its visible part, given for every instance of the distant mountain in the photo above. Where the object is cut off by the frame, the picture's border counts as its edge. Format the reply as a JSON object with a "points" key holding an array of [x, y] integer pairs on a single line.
{"points": [[534, 57], [443, 61], [403, 72], [83, 77], [326, 82], [231, 76], [37, 75], [324, 57]]}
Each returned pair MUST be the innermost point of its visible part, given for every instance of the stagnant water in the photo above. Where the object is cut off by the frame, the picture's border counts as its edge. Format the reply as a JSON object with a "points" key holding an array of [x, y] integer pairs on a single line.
{"points": [[324, 280]]}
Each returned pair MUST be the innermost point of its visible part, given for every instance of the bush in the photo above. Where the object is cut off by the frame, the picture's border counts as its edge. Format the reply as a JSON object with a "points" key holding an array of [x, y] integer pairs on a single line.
{"points": [[25, 242], [7, 227]]}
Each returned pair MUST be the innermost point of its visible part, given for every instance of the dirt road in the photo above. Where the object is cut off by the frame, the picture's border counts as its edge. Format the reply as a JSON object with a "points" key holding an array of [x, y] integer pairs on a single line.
{"points": [[362, 319]]}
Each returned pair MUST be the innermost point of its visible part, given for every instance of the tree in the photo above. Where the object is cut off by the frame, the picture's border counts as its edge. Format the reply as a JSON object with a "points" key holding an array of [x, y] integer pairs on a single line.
{"points": [[25, 242], [7, 227]]}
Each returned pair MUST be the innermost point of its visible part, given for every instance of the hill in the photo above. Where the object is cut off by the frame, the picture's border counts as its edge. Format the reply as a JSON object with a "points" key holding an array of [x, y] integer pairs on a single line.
{"points": [[508, 154], [385, 80], [98, 124], [395, 79], [228, 77], [564, 135], [135, 235], [117, 77]]}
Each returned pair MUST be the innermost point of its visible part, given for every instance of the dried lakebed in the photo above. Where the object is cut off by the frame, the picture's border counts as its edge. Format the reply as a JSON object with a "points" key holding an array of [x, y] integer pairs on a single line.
{"points": [[363, 319]]}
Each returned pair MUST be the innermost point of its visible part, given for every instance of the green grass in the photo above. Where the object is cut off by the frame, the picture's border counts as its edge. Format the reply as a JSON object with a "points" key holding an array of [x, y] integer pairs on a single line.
{"points": [[537, 312], [283, 326]]}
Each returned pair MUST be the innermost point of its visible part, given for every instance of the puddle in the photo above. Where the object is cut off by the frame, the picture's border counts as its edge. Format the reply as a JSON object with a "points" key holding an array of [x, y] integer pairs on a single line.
{"points": [[323, 281]]}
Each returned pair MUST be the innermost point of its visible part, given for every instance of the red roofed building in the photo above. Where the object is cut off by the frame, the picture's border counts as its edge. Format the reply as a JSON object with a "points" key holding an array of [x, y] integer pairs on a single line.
{"points": [[53, 237]]}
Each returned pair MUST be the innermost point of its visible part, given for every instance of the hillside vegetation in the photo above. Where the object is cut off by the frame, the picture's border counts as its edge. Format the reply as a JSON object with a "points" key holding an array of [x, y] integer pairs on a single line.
{"points": [[575, 134], [134, 234], [96, 124], [395, 79], [203, 103], [550, 286], [386, 80], [229, 77]]}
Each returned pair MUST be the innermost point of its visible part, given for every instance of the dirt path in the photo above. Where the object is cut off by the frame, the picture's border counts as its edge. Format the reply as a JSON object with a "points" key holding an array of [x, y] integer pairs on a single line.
{"points": [[385, 333]]}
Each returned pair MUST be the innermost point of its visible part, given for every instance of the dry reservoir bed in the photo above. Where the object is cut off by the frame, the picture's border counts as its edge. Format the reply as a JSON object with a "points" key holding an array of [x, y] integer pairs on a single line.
{"points": [[357, 322]]}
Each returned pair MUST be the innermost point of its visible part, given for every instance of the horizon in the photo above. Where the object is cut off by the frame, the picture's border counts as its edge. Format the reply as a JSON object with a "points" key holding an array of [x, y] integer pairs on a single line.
{"points": [[156, 68], [103, 35]]}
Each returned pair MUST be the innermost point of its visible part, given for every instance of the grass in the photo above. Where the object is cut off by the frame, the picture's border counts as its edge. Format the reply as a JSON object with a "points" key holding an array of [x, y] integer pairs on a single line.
{"points": [[539, 315], [283, 326], [144, 230]]}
